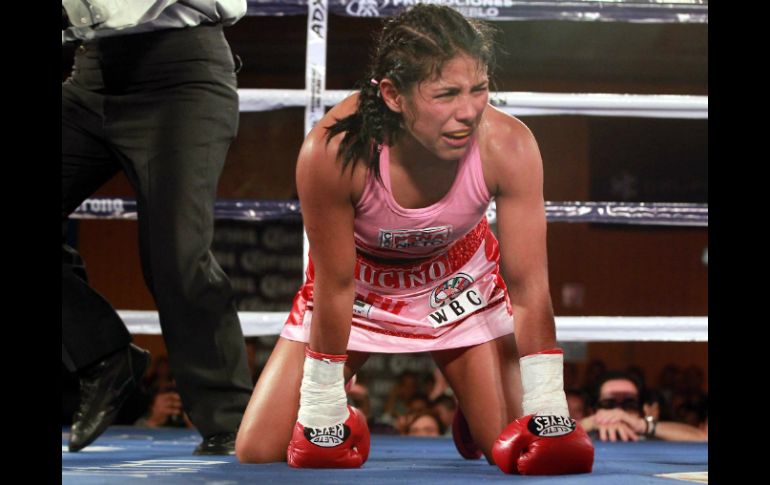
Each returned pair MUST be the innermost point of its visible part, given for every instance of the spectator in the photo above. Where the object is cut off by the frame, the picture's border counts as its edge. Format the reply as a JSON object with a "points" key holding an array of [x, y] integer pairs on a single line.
{"points": [[424, 424], [618, 414]]}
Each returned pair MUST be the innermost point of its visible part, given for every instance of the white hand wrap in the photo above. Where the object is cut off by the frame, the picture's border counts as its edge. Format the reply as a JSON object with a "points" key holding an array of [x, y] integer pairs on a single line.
{"points": [[322, 402], [542, 379]]}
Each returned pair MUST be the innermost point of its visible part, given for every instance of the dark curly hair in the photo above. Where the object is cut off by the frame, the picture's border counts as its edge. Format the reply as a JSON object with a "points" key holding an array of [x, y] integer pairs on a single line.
{"points": [[412, 46]]}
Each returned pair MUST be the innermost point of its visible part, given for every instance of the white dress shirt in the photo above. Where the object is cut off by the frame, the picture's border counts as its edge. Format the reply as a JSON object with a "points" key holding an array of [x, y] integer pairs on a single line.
{"points": [[92, 19]]}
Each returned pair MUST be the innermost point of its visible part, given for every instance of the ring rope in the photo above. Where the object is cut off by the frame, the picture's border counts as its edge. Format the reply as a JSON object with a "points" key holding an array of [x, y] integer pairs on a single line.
{"points": [[568, 329], [646, 213], [512, 102], [649, 11]]}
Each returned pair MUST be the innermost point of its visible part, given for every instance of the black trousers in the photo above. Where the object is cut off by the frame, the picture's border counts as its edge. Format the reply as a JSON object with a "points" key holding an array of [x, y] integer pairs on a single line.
{"points": [[162, 107]]}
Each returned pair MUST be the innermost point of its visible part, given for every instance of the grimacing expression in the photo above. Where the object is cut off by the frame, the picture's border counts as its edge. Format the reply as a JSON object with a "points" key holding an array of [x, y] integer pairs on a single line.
{"points": [[442, 113]]}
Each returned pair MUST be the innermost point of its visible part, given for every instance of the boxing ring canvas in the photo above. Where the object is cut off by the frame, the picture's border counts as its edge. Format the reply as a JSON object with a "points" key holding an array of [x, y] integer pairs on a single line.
{"points": [[125, 454]]}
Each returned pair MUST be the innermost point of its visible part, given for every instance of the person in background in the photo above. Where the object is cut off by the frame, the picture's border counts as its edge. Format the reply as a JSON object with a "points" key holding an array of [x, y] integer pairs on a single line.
{"points": [[577, 402], [618, 414], [445, 407], [424, 424]]}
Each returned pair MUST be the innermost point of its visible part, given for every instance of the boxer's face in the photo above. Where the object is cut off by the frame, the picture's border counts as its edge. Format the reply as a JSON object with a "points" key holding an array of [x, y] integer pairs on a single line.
{"points": [[443, 112]]}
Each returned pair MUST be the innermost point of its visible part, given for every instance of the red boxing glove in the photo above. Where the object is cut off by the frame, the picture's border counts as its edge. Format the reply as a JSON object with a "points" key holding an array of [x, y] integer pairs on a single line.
{"points": [[342, 446], [545, 441], [461, 434], [543, 445]]}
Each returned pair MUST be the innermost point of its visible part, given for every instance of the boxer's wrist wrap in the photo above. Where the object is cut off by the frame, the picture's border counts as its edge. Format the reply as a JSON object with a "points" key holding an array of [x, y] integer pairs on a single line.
{"points": [[542, 380], [322, 401]]}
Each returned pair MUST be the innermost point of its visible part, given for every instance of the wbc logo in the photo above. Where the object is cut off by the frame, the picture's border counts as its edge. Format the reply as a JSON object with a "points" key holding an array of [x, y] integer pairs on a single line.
{"points": [[450, 289]]}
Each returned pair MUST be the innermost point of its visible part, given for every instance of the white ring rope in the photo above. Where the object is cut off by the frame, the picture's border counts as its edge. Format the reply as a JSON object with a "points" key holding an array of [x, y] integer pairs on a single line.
{"points": [[515, 103], [568, 329]]}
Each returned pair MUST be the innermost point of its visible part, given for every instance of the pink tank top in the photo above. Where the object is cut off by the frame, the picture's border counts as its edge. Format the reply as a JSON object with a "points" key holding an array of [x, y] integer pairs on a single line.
{"points": [[384, 228]]}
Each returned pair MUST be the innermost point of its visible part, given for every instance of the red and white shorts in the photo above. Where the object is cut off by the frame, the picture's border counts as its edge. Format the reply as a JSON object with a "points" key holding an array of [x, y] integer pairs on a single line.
{"points": [[454, 299]]}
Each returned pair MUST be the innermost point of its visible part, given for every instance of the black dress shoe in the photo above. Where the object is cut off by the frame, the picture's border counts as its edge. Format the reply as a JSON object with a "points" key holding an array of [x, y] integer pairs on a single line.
{"points": [[218, 444], [104, 387]]}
